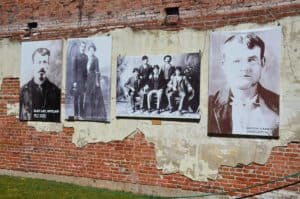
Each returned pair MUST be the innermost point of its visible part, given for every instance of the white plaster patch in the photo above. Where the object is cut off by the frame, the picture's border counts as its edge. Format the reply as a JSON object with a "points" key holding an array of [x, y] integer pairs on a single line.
{"points": [[12, 109], [9, 59], [91, 132], [46, 126]]}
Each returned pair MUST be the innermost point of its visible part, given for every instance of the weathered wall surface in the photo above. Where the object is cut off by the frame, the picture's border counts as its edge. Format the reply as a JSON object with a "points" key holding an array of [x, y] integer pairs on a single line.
{"points": [[173, 154], [9, 58], [79, 17], [131, 160], [184, 146]]}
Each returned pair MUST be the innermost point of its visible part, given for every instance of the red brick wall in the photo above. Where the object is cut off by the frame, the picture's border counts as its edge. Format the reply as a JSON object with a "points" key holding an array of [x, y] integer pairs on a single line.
{"points": [[131, 160], [68, 18]]}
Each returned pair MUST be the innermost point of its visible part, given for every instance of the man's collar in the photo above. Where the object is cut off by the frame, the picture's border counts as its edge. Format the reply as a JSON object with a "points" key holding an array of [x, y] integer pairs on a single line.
{"points": [[224, 95], [254, 100], [39, 85]]}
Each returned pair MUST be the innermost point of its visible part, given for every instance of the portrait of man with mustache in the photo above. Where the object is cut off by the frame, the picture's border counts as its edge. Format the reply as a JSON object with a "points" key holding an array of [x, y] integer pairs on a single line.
{"points": [[40, 98]]}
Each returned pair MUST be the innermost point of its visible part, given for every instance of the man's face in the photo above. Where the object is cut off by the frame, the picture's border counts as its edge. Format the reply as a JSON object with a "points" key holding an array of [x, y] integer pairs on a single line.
{"points": [[188, 72], [82, 47], [40, 67], [242, 66], [145, 61], [177, 72], [167, 60], [91, 51]]}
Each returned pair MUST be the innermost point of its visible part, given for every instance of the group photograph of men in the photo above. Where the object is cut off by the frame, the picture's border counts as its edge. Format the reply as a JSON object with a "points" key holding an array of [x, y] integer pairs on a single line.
{"points": [[159, 86], [87, 95]]}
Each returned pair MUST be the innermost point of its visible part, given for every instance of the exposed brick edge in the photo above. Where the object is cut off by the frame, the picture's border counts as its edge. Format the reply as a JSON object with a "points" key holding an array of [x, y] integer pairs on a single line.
{"points": [[131, 160], [203, 21]]}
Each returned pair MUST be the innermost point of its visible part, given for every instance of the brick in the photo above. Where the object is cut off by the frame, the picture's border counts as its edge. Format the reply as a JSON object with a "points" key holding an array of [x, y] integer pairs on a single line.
{"points": [[94, 17]]}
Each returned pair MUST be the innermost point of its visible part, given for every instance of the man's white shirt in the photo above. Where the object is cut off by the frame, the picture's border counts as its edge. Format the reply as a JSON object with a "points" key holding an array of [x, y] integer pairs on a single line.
{"points": [[253, 117]]}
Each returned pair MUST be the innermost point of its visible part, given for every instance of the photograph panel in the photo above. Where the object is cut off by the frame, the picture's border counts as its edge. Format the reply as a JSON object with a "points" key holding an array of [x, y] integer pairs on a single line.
{"points": [[41, 73], [88, 79], [244, 76], [159, 86]]}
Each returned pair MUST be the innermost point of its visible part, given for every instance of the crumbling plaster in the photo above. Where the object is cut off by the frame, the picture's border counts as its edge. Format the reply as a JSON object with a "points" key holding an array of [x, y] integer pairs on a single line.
{"points": [[10, 58], [183, 146]]}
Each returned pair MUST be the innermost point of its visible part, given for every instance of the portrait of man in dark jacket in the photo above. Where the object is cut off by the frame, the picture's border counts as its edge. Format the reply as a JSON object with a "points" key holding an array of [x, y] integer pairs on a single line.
{"points": [[243, 106], [40, 98]]}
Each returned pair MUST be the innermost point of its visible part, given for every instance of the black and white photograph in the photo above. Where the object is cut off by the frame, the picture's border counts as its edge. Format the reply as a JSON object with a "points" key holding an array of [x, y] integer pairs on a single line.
{"points": [[159, 86], [40, 81], [88, 79], [244, 76]]}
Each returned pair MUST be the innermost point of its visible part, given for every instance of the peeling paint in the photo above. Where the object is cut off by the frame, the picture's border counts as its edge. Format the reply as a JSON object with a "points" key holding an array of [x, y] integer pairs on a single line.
{"points": [[12, 109], [46, 126], [183, 146], [10, 57]]}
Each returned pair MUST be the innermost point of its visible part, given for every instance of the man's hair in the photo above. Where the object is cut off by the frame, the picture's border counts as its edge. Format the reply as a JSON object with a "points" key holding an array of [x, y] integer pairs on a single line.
{"points": [[156, 66], [135, 70], [168, 56], [82, 42], [178, 68], [41, 51], [250, 39], [144, 57], [92, 45]]}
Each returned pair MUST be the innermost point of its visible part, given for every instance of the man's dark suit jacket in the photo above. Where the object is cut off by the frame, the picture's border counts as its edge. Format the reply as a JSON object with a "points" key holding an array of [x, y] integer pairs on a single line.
{"points": [[80, 71], [220, 113], [133, 83], [45, 99], [156, 83], [144, 73]]}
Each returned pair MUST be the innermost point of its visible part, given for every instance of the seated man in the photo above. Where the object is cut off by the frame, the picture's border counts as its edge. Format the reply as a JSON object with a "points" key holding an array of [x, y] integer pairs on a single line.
{"points": [[178, 86], [156, 85], [133, 84]]}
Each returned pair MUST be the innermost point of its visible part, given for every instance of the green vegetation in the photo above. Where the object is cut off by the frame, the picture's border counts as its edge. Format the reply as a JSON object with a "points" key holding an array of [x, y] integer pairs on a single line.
{"points": [[27, 188]]}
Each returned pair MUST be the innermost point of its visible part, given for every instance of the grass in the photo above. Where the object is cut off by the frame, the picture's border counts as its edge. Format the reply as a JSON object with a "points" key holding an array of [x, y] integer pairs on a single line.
{"points": [[17, 187]]}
